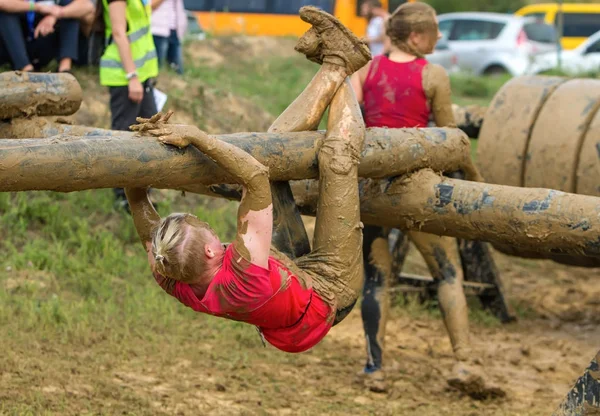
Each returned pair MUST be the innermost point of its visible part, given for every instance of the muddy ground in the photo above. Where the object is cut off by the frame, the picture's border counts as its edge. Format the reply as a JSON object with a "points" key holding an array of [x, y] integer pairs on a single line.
{"points": [[209, 369], [203, 373]]}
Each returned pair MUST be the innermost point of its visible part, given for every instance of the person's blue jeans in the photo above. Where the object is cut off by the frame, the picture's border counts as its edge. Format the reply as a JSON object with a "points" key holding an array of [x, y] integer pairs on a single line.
{"points": [[169, 49], [17, 48]]}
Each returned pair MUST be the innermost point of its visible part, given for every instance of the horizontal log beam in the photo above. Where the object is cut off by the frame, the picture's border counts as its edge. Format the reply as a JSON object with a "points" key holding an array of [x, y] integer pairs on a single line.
{"points": [[548, 223], [532, 219], [27, 94], [72, 163]]}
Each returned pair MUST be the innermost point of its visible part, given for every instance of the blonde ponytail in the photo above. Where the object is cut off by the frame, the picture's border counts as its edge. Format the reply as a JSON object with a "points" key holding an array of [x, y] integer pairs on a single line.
{"points": [[177, 246]]}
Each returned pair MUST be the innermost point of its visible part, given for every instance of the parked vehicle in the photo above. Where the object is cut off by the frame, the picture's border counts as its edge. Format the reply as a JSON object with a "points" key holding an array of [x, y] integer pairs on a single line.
{"points": [[580, 20], [442, 55], [494, 43], [583, 59]]}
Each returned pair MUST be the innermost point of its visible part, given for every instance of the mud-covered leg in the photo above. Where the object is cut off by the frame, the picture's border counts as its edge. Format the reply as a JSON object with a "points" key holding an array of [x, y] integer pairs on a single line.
{"points": [[335, 261], [441, 256], [376, 303], [305, 113]]}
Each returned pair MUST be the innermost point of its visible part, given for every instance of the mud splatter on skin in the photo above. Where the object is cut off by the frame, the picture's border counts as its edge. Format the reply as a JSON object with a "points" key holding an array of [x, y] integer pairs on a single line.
{"points": [[27, 94], [436, 84], [443, 262], [335, 262]]}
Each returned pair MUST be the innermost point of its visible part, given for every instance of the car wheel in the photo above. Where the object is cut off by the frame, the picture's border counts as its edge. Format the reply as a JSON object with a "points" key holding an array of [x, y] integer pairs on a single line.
{"points": [[495, 71]]}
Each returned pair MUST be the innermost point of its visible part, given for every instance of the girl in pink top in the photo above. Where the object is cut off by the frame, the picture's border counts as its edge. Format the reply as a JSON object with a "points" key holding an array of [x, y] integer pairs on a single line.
{"points": [[293, 303]]}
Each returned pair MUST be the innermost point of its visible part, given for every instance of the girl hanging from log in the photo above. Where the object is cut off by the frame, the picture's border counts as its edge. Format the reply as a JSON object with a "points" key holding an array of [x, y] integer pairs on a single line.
{"points": [[400, 89], [293, 303]]}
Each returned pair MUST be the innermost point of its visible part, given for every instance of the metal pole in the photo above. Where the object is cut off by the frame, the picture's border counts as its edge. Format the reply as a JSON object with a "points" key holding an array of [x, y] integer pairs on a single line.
{"points": [[560, 22]]}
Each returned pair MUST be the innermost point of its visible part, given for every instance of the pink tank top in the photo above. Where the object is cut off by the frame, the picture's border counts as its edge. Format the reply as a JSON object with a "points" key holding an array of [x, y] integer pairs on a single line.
{"points": [[393, 94]]}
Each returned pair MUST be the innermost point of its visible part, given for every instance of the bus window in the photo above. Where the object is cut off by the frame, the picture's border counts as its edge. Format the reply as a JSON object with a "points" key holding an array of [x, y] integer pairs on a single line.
{"points": [[580, 25]]}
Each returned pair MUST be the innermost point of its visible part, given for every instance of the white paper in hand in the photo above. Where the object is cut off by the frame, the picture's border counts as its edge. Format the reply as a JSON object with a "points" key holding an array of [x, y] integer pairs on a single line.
{"points": [[160, 98]]}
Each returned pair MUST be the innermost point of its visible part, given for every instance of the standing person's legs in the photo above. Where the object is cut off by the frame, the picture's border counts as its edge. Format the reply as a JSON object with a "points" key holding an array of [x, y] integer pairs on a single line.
{"points": [[13, 39], [335, 261], [124, 113], [161, 44], [376, 302], [175, 53]]}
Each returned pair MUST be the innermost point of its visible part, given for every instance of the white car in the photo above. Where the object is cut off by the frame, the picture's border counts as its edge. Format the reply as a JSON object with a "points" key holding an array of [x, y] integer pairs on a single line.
{"points": [[495, 43], [442, 55], [583, 59]]}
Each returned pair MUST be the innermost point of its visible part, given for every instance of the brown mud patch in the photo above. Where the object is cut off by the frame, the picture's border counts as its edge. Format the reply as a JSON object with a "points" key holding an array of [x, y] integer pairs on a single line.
{"points": [[218, 50]]}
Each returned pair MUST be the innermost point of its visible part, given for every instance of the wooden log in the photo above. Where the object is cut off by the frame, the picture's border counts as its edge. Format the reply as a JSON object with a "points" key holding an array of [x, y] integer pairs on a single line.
{"points": [[532, 219], [26, 94], [552, 223], [70, 163]]}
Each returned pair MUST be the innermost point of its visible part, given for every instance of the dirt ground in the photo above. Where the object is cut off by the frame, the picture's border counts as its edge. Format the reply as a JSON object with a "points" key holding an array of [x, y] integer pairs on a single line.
{"points": [[535, 361]]}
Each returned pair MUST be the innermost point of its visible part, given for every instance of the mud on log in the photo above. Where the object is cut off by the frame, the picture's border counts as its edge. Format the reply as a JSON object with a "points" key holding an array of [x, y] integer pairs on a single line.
{"points": [[533, 219], [71, 163], [27, 94]]}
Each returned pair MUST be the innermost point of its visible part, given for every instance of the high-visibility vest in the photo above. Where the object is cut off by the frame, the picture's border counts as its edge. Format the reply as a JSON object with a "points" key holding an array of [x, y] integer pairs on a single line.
{"points": [[141, 43]]}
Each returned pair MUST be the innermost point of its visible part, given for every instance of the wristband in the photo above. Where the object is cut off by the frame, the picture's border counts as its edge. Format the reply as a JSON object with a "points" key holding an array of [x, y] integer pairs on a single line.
{"points": [[131, 75], [31, 5]]}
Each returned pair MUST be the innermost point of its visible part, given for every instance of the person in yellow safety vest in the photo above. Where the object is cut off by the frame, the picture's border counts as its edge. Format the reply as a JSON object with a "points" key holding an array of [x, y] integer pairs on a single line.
{"points": [[129, 64]]}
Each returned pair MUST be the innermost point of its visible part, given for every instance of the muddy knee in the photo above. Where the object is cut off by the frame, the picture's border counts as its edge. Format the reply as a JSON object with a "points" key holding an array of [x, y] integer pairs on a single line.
{"points": [[339, 155]]}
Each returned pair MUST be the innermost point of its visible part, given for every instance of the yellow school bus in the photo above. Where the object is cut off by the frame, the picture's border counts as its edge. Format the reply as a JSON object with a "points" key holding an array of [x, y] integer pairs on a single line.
{"points": [[274, 17], [580, 20]]}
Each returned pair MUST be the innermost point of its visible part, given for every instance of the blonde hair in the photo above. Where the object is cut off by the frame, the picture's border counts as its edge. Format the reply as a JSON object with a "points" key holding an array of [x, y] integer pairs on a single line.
{"points": [[408, 18], [178, 247]]}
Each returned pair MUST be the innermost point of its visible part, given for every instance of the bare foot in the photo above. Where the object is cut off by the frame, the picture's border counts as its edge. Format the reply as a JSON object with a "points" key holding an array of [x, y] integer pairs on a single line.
{"points": [[471, 380], [65, 65], [27, 68]]}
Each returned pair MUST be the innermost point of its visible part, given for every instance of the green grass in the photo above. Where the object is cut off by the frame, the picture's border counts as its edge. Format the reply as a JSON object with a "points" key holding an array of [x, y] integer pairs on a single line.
{"points": [[468, 89], [72, 266]]}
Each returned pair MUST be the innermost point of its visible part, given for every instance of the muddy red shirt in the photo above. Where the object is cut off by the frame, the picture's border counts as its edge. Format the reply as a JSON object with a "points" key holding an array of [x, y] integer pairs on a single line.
{"points": [[393, 94], [291, 317]]}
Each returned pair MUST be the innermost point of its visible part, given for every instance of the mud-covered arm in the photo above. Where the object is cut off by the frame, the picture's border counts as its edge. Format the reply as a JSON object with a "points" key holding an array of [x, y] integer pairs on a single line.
{"points": [[255, 213], [436, 84], [145, 217]]}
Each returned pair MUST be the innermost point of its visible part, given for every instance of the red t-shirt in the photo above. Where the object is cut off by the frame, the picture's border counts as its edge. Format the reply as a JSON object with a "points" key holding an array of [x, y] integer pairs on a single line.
{"points": [[393, 94], [291, 317]]}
